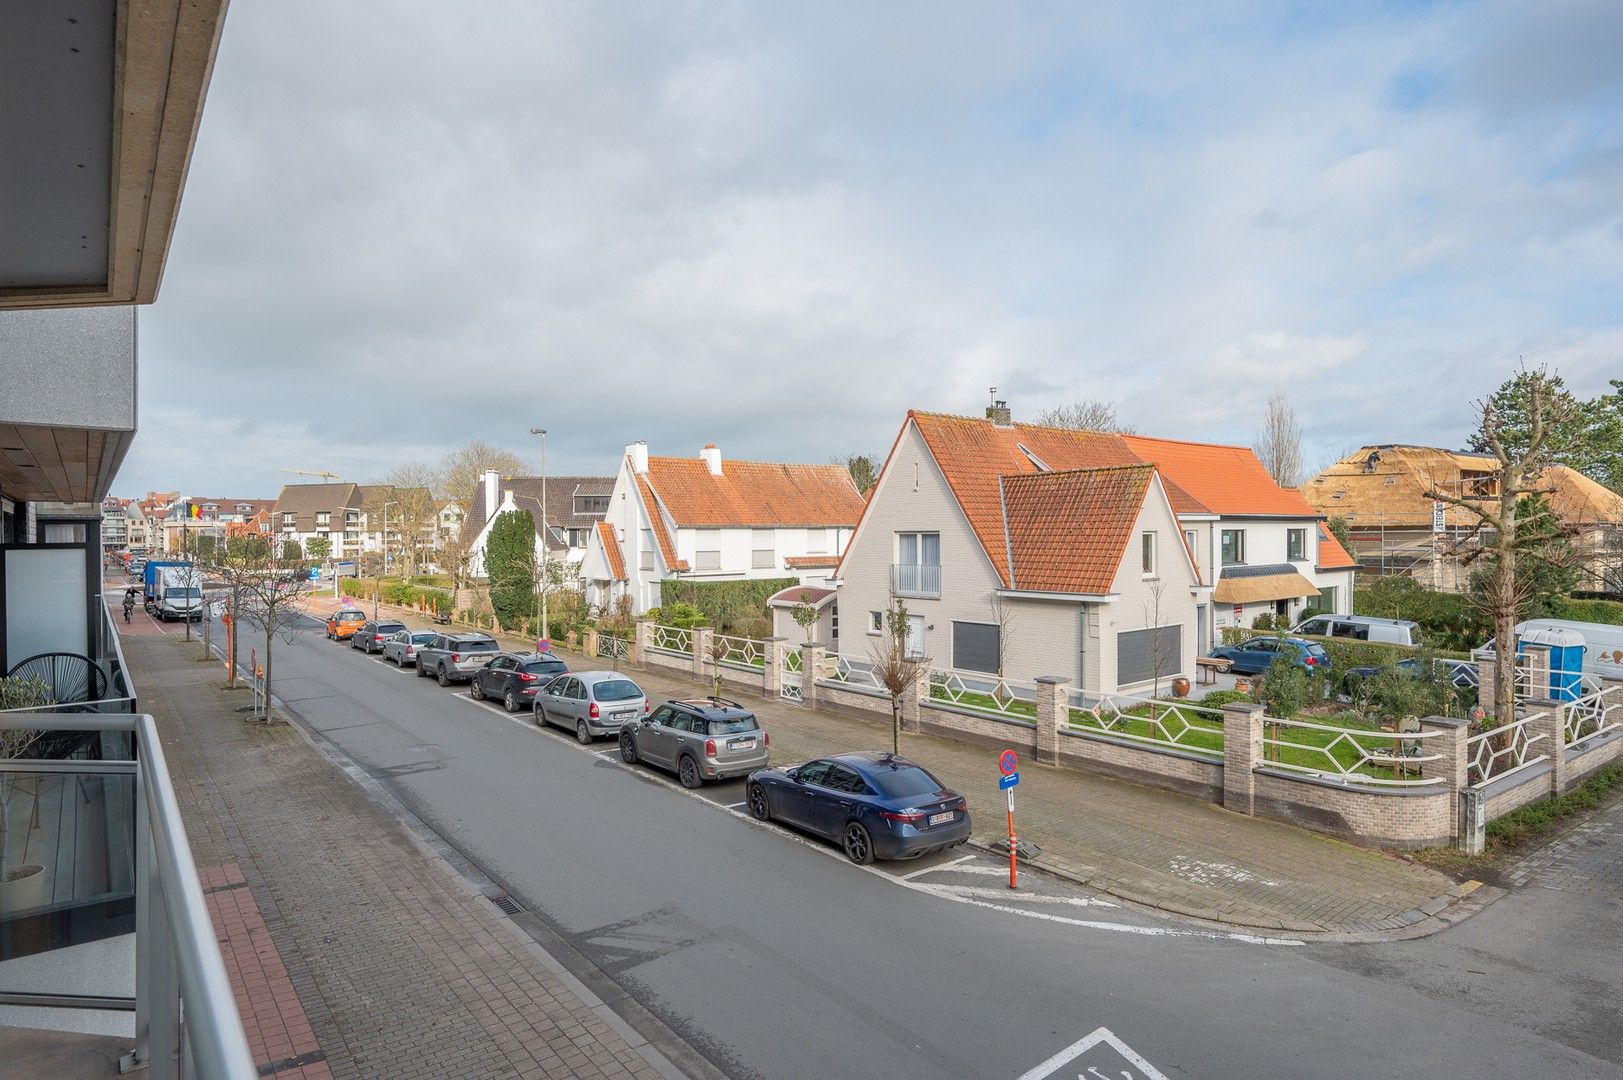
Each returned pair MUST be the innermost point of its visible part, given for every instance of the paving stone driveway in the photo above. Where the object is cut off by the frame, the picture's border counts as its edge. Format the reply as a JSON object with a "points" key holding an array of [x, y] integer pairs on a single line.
{"points": [[1587, 858]]}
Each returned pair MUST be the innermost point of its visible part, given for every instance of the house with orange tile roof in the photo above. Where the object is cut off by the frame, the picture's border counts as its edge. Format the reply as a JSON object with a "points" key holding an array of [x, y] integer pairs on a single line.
{"points": [[706, 518], [1024, 551]]}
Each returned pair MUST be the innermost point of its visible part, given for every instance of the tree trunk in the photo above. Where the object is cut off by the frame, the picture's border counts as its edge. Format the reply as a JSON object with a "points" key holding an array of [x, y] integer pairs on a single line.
{"points": [[270, 636], [895, 726], [1504, 607]]}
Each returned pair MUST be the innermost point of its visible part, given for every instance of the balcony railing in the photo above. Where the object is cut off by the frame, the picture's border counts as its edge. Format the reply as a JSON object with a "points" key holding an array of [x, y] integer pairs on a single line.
{"points": [[915, 579]]}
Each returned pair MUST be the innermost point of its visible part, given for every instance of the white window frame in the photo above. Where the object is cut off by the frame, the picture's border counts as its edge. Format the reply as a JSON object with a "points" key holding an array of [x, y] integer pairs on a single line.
{"points": [[707, 558], [1239, 547], [876, 623], [817, 542], [1192, 538], [763, 549], [1301, 554], [1148, 555], [645, 559]]}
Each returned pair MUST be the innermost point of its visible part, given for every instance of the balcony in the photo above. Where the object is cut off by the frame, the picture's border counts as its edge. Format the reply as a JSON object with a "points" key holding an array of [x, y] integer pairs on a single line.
{"points": [[106, 945], [915, 579]]}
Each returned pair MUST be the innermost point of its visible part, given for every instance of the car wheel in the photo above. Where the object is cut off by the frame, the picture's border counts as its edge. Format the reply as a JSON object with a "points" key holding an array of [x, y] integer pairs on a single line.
{"points": [[444, 677], [583, 734], [540, 717], [628, 748], [476, 690], [760, 808], [857, 843], [421, 674], [687, 771], [510, 700]]}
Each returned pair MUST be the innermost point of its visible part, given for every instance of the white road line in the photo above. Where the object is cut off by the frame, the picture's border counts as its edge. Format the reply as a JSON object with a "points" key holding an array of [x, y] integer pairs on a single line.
{"points": [[1082, 1046], [1022, 897], [933, 869], [735, 805], [980, 871]]}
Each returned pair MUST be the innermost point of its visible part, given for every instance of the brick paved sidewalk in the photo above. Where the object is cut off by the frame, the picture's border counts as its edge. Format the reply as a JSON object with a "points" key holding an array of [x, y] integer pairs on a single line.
{"points": [[1587, 857], [352, 951], [1138, 843]]}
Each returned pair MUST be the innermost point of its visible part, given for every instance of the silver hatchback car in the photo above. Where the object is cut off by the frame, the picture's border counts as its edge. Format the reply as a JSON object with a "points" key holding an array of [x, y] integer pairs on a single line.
{"points": [[590, 703], [698, 739], [402, 646]]}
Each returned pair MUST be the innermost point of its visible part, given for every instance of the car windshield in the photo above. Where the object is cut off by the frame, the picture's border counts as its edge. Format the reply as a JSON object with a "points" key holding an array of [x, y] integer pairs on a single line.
{"points": [[390, 627], [1316, 651], [616, 690], [732, 725], [421, 639], [545, 667], [905, 782]]}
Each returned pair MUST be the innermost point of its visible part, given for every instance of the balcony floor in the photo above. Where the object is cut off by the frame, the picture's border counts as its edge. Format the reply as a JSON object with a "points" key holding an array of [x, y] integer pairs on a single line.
{"points": [[63, 1055]]}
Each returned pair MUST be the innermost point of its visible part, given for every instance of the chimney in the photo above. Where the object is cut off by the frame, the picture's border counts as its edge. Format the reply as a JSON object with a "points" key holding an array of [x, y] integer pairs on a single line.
{"points": [[638, 453], [489, 479], [712, 459], [998, 413]]}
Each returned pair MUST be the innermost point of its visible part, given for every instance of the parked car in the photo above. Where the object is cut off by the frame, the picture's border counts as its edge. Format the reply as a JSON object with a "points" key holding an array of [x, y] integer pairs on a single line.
{"points": [[342, 624], [875, 805], [372, 635], [513, 678], [699, 739], [1256, 655], [454, 657], [1460, 674], [1361, 628], [590, 703], [402, 645]]}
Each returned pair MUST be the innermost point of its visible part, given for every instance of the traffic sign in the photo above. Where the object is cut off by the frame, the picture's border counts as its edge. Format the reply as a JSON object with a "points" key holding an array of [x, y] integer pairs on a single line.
{"points": [[1007, 782], [1007, 763]]}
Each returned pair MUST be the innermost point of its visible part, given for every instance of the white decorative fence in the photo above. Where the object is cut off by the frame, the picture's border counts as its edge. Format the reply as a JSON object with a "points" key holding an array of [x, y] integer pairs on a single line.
{"points": [[852, 671], [1141, 721], [742, 652], [988, 695], [677, 640], [1501, 751], [1593, 714], [791, 679], [1356, 757]]}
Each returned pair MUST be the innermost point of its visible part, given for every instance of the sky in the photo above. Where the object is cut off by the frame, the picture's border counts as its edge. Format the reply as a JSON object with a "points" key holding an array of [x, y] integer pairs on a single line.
{"points": [[778, 227]]}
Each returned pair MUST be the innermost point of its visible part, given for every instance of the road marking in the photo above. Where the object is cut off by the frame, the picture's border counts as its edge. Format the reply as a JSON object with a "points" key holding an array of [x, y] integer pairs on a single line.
{"points": [[982, 871], [1022, 897], [933, 869], [1102, 1036], [735, 805]]}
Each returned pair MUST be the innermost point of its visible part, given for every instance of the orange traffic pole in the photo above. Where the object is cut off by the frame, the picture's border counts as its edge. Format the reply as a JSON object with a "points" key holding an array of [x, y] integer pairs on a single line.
{"points": [[1013, 882]]}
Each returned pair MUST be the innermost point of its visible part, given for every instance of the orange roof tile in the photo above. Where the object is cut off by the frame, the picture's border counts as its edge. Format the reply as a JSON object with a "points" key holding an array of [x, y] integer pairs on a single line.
{"points": [[1332, 556], [755, 494], [1223, 479], [1068, 531], [611, 551], [662, 535], [807, 561]]}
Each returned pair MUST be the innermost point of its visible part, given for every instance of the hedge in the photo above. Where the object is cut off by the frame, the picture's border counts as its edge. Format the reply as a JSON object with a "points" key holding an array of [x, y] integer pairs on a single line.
{"points": [[1595, 611], [1447, 620], [725, 602], [1348, 653], [395, 591]]}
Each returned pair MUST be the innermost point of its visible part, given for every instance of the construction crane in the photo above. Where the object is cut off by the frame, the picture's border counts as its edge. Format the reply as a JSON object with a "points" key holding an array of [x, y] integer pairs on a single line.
{"points": [[307, 472]]}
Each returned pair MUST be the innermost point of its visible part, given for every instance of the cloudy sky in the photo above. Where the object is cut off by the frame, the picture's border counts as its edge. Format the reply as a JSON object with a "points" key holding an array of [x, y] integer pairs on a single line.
{"points": [[779, 226]]}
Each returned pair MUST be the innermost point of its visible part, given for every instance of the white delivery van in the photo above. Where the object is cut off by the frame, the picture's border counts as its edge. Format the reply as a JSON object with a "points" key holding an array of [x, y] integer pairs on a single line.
{"points": [[1360, 628], [180, 593], [1603, 643]]}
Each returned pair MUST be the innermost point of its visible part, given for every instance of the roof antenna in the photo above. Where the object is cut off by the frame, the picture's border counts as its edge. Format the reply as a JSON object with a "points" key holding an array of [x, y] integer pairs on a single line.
{"points": [[991, 395]]}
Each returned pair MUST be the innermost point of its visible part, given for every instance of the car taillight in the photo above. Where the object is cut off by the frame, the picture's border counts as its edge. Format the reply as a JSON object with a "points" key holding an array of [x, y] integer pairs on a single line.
{"points": [[525, 676], [913, 818], [456, 658], [646, 707], [766, 738], [592, 710], [377, 637], [710, 748], [1310, 661]]}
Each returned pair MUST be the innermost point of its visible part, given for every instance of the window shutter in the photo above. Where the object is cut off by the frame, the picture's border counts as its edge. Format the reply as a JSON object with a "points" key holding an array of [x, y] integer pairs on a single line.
{"points": [[1135, 653], [974, 647]]}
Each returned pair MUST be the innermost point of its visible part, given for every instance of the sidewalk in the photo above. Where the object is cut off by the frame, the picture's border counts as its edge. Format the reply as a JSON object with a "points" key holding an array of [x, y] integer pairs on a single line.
{"points": [[1133, 842], [353, 951]]}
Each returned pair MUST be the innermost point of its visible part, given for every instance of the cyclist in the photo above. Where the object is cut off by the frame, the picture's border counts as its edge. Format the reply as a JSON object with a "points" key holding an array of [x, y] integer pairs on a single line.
{"points": [[129, 603]]}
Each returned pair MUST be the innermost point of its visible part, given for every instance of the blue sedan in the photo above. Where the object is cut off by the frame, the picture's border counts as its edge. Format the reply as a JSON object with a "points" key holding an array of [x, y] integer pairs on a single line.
{"points": [[1257, 655], [875, 805]]}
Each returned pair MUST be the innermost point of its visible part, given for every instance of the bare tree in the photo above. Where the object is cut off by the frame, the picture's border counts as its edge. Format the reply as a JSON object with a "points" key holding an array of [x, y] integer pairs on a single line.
{"points": [[459, 470], [273, 601], [412, 515], [1520, 468], [1003, 617], [1151, 609], [553, 576], [1279, 442], [1089, 414], [895, 671]]}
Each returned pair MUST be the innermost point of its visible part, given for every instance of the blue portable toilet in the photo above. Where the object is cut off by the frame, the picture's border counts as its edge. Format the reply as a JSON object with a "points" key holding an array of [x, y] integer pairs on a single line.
{"points": [[1566, 659]]}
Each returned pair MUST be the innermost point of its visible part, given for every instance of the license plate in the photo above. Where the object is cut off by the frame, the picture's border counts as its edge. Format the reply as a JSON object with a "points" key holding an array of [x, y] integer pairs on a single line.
{"points": [[623, 713], [741, 744], [941, 819]]}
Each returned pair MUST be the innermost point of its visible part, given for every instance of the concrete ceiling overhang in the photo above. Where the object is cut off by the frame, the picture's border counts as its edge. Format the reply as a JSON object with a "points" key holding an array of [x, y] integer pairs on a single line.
{"points": [[99, 106]]}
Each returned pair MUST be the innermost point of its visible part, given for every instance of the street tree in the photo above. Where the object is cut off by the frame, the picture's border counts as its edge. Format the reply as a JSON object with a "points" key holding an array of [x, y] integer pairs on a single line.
{"points": [[1003, 617], [894, 670], [554, 578], [1279, 441], [458, 471], [1088, 414], [510, 565], [273, 601], [805, 615], [1524, 436], [404, 499], [292, 552]]}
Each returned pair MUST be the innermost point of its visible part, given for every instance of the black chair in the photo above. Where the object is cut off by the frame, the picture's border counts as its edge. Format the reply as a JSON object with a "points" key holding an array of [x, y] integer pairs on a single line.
{"points": [[73, 679]]}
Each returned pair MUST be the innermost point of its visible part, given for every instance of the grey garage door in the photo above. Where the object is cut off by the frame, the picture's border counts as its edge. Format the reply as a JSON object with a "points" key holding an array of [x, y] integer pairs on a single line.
{"points": [[1136, 653]]}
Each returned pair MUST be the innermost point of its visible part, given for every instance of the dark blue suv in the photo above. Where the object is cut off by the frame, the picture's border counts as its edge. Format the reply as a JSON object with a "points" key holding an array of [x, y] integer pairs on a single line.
{"points": [[875, 805], [1257, 655]]}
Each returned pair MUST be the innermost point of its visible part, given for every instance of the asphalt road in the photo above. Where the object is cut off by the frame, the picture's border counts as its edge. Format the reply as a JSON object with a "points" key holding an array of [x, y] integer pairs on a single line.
{"points": [[771, 956]]}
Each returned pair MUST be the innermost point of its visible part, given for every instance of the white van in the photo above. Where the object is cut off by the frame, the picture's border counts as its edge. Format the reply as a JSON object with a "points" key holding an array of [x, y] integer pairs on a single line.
{"points": [[1603, 643], [1360, 628], [180, 594]]}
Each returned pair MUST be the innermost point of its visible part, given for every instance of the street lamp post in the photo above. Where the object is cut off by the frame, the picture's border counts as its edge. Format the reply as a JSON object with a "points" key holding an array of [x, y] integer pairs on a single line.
{"points": [[385, 572], [543, 433]]}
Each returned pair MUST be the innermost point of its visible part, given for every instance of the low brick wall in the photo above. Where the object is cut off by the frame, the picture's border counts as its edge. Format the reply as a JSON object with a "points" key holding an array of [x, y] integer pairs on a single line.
{"points": [[1398, 818], [651, 658], [969, 727], [1169, 768], [836, 695], [1593, 756], [1502, 795], [743, 675]]}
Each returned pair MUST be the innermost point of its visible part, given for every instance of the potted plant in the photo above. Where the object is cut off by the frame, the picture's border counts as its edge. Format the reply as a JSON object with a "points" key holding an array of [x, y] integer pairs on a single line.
{"points": [[22, 885]]}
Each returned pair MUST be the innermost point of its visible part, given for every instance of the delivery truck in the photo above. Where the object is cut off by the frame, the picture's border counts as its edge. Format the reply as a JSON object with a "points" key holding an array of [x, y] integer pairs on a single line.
{"points": [[173, 590]]}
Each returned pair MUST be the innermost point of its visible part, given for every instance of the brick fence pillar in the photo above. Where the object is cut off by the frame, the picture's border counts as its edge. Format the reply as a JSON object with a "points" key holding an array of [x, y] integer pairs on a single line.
{"points": [[588, 642], [1548, 722], [1053, 713], [644, 636], [917, 691], [772, 670], [1451, 764], [702, 638], [811, 662], [1242, 752]]}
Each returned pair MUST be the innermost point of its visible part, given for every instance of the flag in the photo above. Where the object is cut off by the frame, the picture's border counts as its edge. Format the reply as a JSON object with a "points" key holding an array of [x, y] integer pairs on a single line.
{"points": [[194, 511]]}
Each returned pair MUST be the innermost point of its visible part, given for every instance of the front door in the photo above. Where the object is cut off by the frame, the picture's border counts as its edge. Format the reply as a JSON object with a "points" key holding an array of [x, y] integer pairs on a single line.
{"points": [[1202, 633], [915, 636]]}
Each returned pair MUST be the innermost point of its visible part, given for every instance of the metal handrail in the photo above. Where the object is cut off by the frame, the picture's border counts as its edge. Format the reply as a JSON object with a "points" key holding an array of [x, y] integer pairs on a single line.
{"points": [[213, 1027], [117, 646]]}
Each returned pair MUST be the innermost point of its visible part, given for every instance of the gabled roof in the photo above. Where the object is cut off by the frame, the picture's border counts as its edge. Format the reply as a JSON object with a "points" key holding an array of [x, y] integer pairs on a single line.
{"points": [[1224, 480], [611, 551], [304, 501], [810, 562], [754, 494], [561, 492], [656, 520], [1068, 531], [1332, 556]]}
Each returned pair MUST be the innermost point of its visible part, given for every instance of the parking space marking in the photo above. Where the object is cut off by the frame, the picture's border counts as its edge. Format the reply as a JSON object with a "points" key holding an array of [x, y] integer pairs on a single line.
{"points": [[1021, 896], [735, 805], [933, 869]]}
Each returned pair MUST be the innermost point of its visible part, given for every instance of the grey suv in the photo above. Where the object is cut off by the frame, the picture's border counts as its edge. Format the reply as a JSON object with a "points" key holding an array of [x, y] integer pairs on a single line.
{"points": [[698, 739], [455, 657]]}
